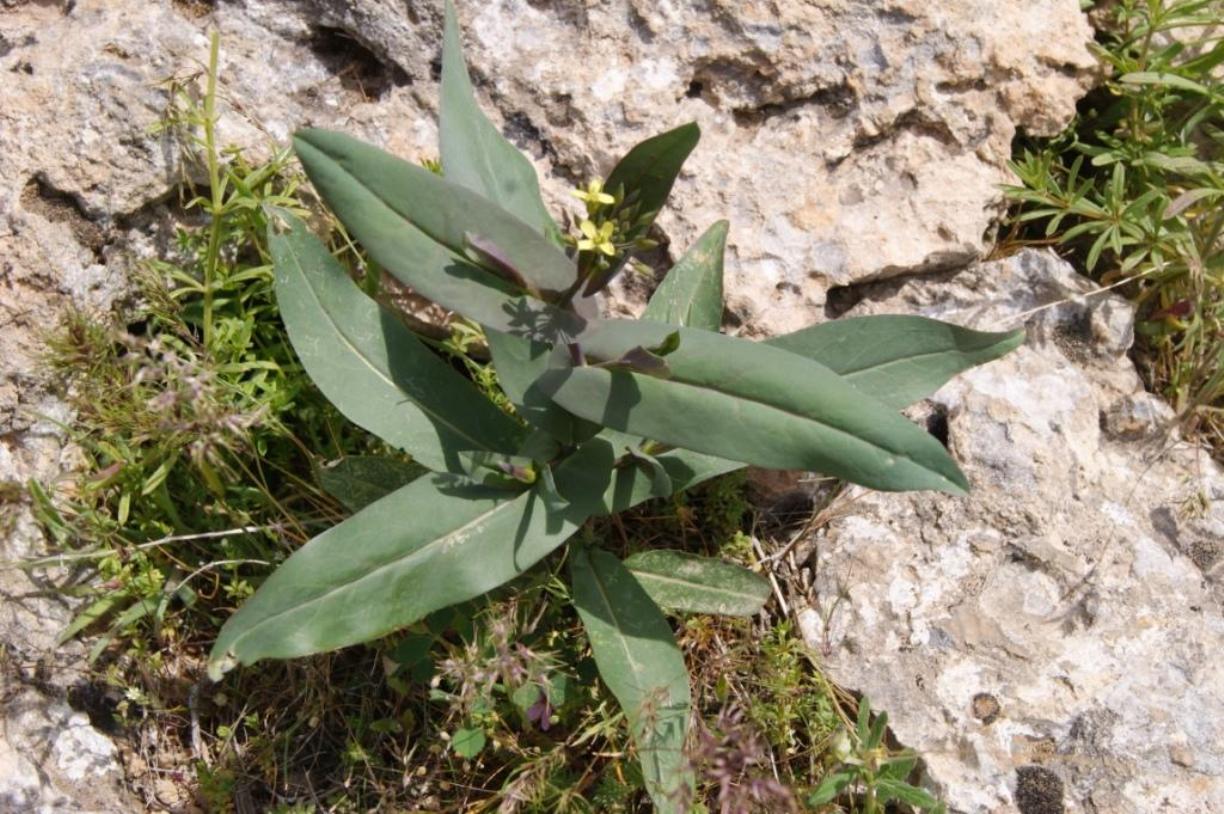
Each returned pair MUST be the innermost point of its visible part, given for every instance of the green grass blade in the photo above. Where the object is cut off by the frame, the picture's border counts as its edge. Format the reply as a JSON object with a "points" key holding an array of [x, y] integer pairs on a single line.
{"points": [[474, 153], [371, 366], [639, 661], [692, 292], [686, 582], [897, 360]]}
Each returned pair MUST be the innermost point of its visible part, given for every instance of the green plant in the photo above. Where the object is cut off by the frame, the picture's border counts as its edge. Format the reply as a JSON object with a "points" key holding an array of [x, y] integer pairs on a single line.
{"points": [[607, 413], [1134, 188], [191, 468], [867, 765]]}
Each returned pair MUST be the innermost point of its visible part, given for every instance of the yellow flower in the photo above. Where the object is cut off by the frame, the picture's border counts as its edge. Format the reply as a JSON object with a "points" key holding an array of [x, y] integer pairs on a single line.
{"points": [[598, 238], [593, 194]]}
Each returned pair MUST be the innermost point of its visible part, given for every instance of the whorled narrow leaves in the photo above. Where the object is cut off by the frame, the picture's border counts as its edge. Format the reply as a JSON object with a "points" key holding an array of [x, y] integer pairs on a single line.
{"points": [[680, 581], [438, 541], [897, 359], [368, 364], [474, 154], [752, 403], [639, 661], [691, 295]]}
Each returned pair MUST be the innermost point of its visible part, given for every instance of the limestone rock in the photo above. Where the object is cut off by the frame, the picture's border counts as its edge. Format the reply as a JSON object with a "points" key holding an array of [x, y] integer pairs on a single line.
{"points": [[51, 759], [845, 139], [1057, 633]]}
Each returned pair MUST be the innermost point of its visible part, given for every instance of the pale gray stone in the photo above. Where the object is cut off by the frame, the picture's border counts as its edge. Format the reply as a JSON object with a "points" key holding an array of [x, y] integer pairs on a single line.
{"points": [[1078, 586], [846, 141]]}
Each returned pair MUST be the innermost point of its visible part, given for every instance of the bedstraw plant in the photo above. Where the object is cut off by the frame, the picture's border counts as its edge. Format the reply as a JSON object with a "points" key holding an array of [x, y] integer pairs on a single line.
{"points": [[605, 413]]}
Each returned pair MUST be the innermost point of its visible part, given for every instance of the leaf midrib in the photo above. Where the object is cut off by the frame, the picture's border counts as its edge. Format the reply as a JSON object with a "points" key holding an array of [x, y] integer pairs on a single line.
{"points": [[639, 573], [425, 549], [853, 371], [785, 412], [620, 638], [432, 414]]}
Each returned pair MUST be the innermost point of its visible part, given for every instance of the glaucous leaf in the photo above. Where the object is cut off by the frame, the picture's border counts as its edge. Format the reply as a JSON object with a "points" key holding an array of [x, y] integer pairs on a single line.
{"points": [[645, 176], [639, 661], [368, 364], [519, 363], [447, 212], [749, 402], [438, 541], [429, 267], [897, 360], [474, 154], [681, 581], [648, 171], [691, 295]]}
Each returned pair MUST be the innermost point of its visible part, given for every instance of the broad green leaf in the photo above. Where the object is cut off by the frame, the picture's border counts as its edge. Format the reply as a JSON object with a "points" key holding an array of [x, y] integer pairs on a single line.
{"points": [[370, 365], [474, 154], [519, 363], [691, 294], [632, 484], [359, 480], [686, 582], [447, 212], [468, 741], [438, 541], [638, 659], [368, 207], [898, 767], [660, 480], [750, 402], [897, 360], [648, 171]]}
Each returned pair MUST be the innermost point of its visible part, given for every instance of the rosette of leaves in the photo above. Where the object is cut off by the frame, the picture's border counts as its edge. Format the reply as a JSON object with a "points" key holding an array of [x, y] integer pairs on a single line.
{"points": [[608, 413]]}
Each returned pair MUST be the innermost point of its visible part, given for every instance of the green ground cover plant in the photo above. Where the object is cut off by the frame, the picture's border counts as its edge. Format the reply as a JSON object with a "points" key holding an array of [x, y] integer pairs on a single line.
{"points": [[1134, 188]]}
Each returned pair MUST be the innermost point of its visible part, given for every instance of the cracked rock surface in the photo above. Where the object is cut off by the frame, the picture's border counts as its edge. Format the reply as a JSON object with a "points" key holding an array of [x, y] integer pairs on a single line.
{"points": [[1051, 642], [847, 141]]}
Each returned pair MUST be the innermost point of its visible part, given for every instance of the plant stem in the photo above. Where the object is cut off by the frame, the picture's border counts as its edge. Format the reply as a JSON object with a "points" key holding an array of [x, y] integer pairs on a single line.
{"points": [[212, 257]]}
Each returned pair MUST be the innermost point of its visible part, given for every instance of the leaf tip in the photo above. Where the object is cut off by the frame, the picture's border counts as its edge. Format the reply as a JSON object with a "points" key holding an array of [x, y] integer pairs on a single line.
{"points": [[220, 663]]}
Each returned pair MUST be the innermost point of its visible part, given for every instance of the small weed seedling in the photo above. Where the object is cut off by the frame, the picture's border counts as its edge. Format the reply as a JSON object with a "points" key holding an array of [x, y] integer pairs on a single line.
{"points": [[606, 413], [870, 768]]}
